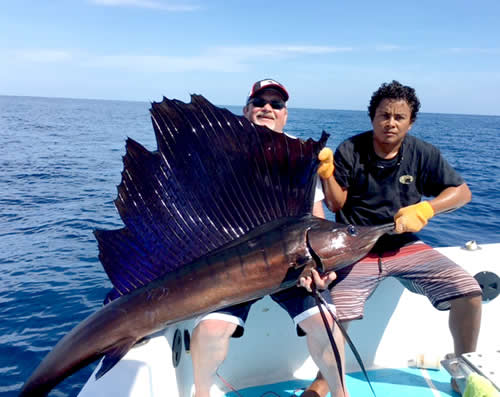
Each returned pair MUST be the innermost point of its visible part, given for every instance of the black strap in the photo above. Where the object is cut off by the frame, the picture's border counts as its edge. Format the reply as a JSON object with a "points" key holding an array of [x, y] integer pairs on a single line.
{"points": [[320, 300], [336, 352]]}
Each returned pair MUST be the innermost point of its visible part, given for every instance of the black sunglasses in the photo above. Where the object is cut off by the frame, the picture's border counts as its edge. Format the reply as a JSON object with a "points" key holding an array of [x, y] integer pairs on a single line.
{"points": [[261, 102]]}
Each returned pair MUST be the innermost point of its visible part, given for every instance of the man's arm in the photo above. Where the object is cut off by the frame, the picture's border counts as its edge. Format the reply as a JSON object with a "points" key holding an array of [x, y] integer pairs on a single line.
{"points": [[451, 198], [414, 217], [335, 195], [318, 209]]}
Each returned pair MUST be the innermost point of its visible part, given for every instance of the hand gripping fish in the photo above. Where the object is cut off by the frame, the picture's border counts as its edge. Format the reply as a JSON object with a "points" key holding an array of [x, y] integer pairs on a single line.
{"points": [[219, 214]]}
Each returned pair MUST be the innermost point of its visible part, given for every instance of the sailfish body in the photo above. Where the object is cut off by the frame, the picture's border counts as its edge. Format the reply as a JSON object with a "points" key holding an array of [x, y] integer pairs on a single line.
{"points": [[218, 215]]}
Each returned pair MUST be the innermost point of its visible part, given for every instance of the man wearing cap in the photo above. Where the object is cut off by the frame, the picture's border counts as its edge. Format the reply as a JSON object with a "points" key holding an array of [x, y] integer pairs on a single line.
{"points": [[266, 106]]}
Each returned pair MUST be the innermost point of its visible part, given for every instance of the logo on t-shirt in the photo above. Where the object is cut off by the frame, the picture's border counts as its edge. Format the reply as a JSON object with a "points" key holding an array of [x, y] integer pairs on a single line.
{"points": [[406, 179]]}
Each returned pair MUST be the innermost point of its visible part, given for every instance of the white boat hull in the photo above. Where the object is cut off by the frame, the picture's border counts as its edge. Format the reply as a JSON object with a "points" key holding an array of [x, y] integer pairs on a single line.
{"points": [[398, 326]]}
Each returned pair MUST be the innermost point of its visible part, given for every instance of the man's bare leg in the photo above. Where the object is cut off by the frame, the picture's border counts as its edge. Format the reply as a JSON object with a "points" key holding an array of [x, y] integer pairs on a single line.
{"points": [[209, 347], [322, 354], [465, 322], [319, 387]]}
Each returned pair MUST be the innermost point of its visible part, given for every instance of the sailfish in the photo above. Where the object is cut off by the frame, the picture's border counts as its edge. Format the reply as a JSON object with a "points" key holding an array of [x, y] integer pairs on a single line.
{"points": [[220, 213]]}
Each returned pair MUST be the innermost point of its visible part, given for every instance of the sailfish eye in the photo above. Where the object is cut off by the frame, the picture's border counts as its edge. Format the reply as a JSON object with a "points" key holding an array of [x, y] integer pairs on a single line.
{"points": [[351, 230]]}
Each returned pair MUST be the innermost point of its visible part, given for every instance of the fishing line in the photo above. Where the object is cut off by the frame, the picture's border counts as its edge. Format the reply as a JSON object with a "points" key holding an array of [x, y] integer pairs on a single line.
{"points": [[336, 352], [320, 300], [231, 387]]}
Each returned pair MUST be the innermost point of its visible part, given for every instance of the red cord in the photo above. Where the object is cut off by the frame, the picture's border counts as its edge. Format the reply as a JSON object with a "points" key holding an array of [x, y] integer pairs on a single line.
{"points": [[228, 385], [231, 387]]}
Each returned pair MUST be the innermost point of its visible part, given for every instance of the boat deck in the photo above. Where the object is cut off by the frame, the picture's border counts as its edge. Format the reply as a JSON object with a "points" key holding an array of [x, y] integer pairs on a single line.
{"points": [[408, 382]]}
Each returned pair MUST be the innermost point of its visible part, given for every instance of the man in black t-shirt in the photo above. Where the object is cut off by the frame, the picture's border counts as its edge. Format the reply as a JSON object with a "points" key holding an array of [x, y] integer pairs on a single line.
{"points": [[380, 176]]}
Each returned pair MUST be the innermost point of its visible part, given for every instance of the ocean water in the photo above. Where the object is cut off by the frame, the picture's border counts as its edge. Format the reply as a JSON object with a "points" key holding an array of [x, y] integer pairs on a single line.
{"points": [[60, 163]]}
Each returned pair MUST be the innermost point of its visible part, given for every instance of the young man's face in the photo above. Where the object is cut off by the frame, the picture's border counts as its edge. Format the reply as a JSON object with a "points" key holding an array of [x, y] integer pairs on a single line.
{"points": [[391, 123], [266, 115]]}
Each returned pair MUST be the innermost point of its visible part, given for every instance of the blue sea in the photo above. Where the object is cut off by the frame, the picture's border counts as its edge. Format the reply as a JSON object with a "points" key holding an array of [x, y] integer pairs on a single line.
{"points": [[60, 163]]}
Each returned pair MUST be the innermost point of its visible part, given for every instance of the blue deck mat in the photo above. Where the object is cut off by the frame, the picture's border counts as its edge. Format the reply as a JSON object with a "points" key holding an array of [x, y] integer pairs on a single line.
{"points": [[407, 382]]}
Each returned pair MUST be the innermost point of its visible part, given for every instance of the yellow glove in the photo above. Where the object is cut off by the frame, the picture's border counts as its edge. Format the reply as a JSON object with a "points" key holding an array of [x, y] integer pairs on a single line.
{"points": [[326, 166], [413, 218]]}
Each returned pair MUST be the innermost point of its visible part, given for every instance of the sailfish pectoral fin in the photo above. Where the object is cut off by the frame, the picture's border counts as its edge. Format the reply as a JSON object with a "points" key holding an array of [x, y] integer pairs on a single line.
{"points": [[115, 354]]}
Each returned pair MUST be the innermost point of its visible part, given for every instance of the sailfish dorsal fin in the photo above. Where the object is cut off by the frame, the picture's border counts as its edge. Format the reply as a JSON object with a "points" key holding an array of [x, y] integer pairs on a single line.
{"points": [[214, 177]]}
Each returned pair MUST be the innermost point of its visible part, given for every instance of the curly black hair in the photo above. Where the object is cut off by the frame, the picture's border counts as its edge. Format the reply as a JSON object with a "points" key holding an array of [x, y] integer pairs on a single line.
{"points": [[394, 90]]}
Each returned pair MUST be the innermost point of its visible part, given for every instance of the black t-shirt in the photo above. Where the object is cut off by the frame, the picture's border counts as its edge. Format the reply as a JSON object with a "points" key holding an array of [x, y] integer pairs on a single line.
{"points": [[378, 188]]}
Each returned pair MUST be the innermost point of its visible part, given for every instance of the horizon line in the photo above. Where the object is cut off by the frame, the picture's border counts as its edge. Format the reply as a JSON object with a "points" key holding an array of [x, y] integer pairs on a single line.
{"points": [[225, 105]]}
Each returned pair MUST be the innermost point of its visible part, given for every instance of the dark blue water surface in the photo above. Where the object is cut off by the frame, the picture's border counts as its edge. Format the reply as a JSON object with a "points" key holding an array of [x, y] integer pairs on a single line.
{"points": [[60, 162]]}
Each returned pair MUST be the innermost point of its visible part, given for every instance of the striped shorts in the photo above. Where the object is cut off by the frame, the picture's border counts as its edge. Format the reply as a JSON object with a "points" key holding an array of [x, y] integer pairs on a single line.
{"points": [[418, 267]]}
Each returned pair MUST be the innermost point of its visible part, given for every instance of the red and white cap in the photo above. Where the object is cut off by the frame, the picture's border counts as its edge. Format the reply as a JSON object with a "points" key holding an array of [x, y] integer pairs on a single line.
{"points": [[268, 84]]}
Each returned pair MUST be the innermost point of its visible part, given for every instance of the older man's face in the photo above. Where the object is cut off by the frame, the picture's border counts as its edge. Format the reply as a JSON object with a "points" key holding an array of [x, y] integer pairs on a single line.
{"points": [[266, 115]]}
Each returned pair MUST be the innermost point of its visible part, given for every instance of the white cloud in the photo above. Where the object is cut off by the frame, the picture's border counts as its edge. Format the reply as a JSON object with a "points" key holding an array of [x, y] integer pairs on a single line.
{"points": [[228, 59], [159, 63], [281, 50], [220, 59], [387, 47], [41, 56], [475, 50], [153, 4], [140, 63]]}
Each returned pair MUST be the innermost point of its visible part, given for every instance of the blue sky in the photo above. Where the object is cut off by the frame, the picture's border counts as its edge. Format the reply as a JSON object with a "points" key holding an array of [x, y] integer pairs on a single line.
{"points": [[330, 54]]}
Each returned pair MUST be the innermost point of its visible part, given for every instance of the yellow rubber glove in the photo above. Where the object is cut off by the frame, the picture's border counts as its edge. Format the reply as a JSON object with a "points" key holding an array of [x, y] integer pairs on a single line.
{"points": [[413, 218], [326, 166]]}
